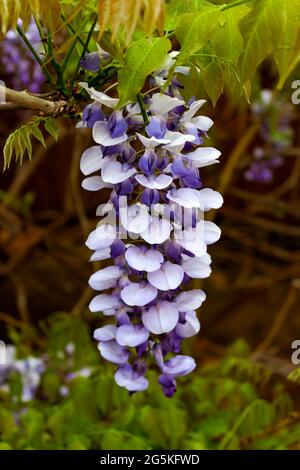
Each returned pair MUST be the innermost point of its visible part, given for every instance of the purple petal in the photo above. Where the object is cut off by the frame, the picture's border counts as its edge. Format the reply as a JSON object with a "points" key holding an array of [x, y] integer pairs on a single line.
{"points": [[135, 294], [126, 377], [168, 384], [131, 335], [91, 61], [113, 352], [161, 318], [106, 333], [169, 276], [91, 114], [117, 124], [179, 365], [156, 127]]}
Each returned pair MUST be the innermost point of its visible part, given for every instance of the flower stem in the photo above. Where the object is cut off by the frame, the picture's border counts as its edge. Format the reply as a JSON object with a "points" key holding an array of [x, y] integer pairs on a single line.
{"points": [[73, 31], [84, 50], [143, 110], [57, 67], [71, 49], [34, 52]]}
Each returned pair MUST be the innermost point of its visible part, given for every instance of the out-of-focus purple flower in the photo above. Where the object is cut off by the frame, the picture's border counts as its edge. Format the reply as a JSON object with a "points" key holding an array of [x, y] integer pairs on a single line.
{"points": [[30, 370], [24, 71], [275, 133]]}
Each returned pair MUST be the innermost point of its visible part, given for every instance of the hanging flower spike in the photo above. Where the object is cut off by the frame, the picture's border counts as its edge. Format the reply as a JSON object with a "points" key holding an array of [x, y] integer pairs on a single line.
{"points": [[153, 171]]}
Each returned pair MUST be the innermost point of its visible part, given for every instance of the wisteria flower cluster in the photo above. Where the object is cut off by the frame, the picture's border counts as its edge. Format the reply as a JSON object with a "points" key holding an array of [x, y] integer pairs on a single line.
{"points": [[149, 155], [30, 370], [275, 135], [18, 62]]}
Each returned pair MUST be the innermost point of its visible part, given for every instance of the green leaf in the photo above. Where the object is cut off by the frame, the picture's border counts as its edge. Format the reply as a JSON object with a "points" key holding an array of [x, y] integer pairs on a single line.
{"points": [[191, 83], [288, 56], [142, 57], [262, 29], [121, 440], [19, 142], [213, 77], [51, 128], [177, 8], [38, 135], [227, 40], [194, 30]]}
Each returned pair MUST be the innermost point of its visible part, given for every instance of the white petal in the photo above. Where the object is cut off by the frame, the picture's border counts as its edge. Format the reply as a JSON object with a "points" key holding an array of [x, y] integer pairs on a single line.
{"points": [[131, 335], [204, 156], [151, 142], [161, 103], [192, 239], [136, 218], [135, 294], [113, 172], [102, 135], [100, 96], [177, 140], [161, 318], [197, 268], [106, 333], [157, 232], [91, 160], [100, 255], [191, 326], [149, 260], [111, 351], [102, 237], [203, 123], [105, 278], [210, 199], [190, 300], [154, 182], [185, 197], [179, 365], [212, 232], [183, 70], [195, 106], [169, 276], [104, 302], [94, 183]]}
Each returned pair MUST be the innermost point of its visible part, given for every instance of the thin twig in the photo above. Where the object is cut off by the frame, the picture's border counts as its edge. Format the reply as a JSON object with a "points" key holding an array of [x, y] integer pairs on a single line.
{"points": [[34, 52], [280, 317], [84, 51]]}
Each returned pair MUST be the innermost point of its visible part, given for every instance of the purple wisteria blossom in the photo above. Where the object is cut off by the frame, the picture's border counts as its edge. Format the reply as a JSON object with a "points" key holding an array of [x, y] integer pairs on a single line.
{"points": [[274, 137], [18, 62], [157, 239], [29, 369]]}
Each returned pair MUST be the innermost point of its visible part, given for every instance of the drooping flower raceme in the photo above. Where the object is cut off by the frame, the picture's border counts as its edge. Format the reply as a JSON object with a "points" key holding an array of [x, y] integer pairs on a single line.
{"points": [[150, 160]]}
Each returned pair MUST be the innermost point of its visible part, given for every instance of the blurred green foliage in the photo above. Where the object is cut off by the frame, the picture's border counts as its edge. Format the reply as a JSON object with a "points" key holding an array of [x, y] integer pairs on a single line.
{"points": [[231, 403]]}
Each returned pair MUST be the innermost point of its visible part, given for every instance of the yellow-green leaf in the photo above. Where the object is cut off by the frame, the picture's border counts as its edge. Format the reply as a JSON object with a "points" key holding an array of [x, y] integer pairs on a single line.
{"points": [[142, 57], [288, 56], [262, 30], [213, 77], [194, 30]]}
